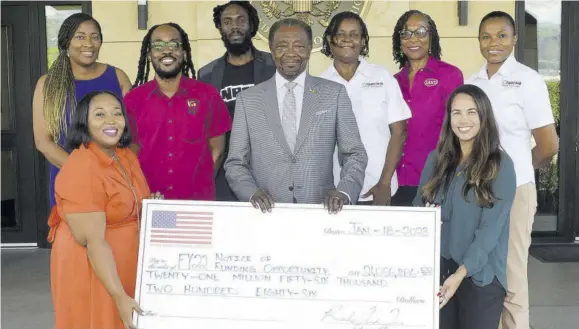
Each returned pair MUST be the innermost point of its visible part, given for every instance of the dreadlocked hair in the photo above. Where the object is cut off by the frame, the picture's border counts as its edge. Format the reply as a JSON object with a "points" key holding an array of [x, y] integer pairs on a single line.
{"points": [[435, 50], [251, 13], [59, 83], [144, 62]]}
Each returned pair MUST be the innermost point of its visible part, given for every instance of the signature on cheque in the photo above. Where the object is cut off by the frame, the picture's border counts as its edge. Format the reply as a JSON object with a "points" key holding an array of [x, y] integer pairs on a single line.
{"points": [[361, 317]]}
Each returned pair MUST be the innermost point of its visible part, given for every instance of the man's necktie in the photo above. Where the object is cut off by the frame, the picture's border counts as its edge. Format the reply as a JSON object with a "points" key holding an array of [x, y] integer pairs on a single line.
{"points": [[289, 115]]}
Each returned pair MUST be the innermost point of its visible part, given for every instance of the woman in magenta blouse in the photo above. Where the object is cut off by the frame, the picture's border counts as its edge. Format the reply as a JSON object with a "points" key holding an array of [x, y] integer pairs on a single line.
{"points": [[426, 83]]}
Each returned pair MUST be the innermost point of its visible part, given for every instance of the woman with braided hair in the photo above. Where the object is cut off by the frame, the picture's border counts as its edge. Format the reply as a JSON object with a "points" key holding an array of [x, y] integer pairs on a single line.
{"points": [[74, 73], [426, 83]]}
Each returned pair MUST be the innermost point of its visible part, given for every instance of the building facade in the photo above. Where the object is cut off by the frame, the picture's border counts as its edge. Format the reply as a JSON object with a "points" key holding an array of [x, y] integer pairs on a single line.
{"points": [[122, 38], [29, 31]]}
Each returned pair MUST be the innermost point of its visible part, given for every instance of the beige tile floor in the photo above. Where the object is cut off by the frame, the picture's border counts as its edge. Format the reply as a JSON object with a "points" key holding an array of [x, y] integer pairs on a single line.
{"points": [[26, 300]]}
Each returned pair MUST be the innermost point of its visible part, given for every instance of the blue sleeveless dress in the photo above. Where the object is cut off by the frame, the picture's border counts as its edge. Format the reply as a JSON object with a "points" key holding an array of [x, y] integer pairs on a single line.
{"points": [[107, 81]]}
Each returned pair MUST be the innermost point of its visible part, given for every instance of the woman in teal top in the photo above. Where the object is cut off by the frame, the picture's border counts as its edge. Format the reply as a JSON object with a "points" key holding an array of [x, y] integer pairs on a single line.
{"points": [[473, 181]]}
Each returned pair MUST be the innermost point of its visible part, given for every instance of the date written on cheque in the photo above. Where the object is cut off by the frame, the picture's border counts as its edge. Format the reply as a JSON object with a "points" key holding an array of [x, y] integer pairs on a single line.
{"points": [[356, 228]]}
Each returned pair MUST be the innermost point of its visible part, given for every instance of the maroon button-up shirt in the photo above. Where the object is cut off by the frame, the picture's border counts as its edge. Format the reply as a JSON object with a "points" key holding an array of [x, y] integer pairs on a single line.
{"points": [[174, 136], [427, 98]]}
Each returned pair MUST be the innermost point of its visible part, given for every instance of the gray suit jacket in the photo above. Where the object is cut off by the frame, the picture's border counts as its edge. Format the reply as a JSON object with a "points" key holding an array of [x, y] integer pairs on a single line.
{"points": [[259, 156]]}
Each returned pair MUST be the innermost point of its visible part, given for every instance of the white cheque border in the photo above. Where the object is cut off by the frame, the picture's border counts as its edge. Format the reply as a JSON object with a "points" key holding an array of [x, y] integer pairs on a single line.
{"points": [[151, 204]]}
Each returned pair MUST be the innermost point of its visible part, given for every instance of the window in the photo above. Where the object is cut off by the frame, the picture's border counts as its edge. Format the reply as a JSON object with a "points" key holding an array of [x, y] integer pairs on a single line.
{"points": [[543, 53], [55, 15]]}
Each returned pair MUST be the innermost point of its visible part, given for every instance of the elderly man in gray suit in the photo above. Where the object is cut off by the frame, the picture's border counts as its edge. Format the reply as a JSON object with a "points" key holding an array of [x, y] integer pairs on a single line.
{"points": [[285, 132]]}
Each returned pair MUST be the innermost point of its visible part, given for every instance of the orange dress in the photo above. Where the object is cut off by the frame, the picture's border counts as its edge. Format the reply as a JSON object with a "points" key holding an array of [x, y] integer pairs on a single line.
{"points": [[90, 181]]}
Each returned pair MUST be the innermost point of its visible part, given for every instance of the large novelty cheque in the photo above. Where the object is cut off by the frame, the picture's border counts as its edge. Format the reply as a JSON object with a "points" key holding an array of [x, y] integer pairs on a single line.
{"points": [[214, 265]]}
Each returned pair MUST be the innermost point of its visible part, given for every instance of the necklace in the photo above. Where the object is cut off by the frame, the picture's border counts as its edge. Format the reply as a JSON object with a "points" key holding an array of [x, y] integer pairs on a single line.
{"points": [[131, 187]]}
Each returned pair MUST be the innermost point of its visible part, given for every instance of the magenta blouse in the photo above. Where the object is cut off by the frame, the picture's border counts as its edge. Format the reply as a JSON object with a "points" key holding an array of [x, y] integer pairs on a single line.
{"points": [[427, 101]]}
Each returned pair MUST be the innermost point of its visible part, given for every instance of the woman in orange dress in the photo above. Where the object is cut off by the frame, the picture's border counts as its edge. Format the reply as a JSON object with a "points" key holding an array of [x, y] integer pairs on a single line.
{"points": [[94, 226]]}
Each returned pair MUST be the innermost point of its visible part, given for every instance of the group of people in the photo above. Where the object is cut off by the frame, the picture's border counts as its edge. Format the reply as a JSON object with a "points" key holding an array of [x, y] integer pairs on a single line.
{"points": [[257, 127]]}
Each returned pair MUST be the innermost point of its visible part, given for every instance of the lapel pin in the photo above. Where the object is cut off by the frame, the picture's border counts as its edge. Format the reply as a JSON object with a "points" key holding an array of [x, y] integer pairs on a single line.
{"points": [[313, 91]]}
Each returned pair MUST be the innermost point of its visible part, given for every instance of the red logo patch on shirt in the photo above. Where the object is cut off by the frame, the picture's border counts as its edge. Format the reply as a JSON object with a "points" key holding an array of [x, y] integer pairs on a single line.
{"points": [[430, 82], [192, 106]]}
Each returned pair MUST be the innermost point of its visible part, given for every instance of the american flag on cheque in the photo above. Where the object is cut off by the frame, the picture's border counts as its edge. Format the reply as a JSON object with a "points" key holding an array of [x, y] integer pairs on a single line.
{"points": [[181, 228]]}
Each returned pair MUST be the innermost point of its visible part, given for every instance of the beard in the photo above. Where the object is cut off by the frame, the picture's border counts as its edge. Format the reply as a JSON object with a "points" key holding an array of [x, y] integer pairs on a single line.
{"points": [[169, 73], [237, 48]]}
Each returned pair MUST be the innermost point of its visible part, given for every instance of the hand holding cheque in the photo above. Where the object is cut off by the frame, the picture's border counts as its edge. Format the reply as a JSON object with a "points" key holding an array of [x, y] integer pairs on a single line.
{"points": [[451, 284], [333, 202]]}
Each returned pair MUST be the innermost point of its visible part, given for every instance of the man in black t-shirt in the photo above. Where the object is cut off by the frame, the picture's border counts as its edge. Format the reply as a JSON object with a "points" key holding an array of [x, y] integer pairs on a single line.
{"points": [[242, 66]]}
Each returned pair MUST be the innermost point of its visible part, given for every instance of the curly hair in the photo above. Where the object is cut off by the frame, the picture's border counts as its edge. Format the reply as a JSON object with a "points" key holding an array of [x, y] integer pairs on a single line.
{"points": [[144, 62], [251, 13], [435, 50], [333, 27]]}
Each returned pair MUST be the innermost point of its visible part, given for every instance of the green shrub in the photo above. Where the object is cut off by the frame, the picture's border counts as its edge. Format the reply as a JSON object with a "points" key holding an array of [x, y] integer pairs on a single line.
{"points": [[51, 55], [548, 184], [555, 96]]}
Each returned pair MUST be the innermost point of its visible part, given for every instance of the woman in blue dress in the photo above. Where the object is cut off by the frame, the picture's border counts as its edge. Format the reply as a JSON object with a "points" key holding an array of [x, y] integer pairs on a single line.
{"points": [[74, 73]]}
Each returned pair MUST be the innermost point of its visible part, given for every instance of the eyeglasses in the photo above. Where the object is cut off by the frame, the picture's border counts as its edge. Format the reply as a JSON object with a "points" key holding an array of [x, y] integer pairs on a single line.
{"points": [[420, 33], [161, 45]]}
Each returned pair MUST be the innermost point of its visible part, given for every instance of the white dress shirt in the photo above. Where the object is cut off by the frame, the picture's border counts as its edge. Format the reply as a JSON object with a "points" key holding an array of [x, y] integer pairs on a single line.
{"points": [[520, 101], [377, 102], [282, 90]]}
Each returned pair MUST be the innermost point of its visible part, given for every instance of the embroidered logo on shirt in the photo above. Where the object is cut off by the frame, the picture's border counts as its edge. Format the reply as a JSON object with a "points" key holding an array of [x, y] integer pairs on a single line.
{"points": [[373, 84], [431, 82], [513, 83], [192, 106]]}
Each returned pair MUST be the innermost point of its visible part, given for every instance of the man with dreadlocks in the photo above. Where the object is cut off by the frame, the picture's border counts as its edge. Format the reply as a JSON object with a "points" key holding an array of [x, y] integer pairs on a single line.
{"points": [[178, 123], [426, 83], [241, 67]]}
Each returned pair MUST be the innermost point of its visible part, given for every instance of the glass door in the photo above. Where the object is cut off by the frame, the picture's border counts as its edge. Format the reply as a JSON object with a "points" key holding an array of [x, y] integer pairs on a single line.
{"points": [[19, 222], [542, 43]]}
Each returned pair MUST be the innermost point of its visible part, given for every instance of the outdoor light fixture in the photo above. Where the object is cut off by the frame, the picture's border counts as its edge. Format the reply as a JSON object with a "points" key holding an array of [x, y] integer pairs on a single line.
{"points": [[142, 14], [462, 12]]}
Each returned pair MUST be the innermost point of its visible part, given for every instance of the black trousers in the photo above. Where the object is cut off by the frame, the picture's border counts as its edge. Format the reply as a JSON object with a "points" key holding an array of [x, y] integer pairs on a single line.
{"points": [[222, 190], [404, 196], [471, 307]]}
